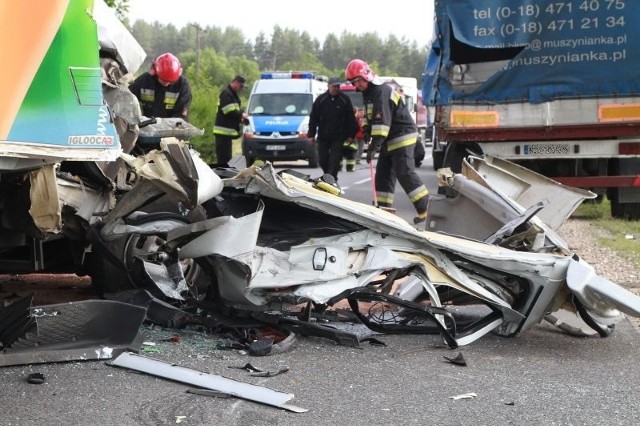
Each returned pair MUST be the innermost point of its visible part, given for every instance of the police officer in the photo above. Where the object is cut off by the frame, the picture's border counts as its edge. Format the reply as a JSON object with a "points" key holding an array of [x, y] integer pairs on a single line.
{"points": [[393, 133], [333, 122], [163, 91], [228, 119]]}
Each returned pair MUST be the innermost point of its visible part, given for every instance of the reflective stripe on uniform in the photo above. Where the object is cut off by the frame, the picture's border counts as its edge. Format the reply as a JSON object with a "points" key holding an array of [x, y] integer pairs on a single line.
{"points": [[385, 197], [402, 141], [380, 130], [352, 145], [229, 108], [170, 99], [147, 95], [219, 130], [418, 193]]}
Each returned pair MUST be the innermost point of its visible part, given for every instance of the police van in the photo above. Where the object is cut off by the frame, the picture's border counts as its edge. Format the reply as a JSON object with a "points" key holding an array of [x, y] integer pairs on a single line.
{"points": [[278, 108]]}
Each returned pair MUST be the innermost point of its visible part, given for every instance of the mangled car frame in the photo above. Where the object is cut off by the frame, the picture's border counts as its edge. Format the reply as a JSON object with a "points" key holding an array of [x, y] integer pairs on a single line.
{"points": [[272, 241], [256, 244]]}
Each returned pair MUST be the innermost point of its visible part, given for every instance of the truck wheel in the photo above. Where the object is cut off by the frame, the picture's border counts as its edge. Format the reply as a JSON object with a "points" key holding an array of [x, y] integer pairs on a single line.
{"points": [[249, 160], [419, 153], [438, 159], [625, 211], [629, 210], [455, 153]]}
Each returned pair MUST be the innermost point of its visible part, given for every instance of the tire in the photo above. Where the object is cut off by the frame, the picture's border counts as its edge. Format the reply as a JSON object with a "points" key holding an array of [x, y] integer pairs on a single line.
{"points": [[456, 152], [249, 160], [117, 265], [453, 156], [619, 210], [419, 153], [438, 159], [624, 211]]}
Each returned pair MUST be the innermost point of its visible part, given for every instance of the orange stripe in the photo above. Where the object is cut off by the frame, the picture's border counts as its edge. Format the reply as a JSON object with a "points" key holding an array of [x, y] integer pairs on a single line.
{"points": [[26, 31]]}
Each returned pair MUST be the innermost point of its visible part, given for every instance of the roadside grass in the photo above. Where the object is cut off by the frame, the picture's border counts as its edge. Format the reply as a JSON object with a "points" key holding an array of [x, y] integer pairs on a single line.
{"points": [[622, 236]]}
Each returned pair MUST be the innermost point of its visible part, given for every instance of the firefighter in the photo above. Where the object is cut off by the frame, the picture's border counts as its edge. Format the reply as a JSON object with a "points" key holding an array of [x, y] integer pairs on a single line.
{"points": [[163, 91], [393, 133], [228, 119], [349, 150], [333, 120]]}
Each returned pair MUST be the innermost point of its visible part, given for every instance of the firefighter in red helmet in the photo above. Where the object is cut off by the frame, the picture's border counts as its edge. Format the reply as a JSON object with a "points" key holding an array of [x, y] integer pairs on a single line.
{"points": [[391, 131], [163, 91]]}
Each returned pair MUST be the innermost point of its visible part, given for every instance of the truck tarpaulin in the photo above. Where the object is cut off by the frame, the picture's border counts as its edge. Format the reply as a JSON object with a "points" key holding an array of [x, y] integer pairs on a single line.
{"points": [[555, 49]]}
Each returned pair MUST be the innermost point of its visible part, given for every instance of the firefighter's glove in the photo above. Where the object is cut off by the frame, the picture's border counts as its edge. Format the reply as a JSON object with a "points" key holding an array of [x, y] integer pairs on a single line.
{"points": [[373, 148]]}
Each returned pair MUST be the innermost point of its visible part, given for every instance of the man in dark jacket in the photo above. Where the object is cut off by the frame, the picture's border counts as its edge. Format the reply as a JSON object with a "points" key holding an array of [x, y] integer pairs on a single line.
{"points": [[228, 119], [163, 92], [393, 133], [333, 121]]}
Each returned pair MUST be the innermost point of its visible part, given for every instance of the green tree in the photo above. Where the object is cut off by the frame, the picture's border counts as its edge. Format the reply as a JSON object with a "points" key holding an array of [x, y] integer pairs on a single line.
{"points": [[212, 56], [121, 7]]}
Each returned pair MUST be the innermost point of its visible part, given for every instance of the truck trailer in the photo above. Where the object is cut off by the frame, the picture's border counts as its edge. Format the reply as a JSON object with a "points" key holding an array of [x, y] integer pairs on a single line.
{"points": [[551, 85]]}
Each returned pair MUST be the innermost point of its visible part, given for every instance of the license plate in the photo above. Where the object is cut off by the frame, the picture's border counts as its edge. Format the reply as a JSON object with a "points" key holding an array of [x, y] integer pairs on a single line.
{"points": [[275, 147], [546, 149]]}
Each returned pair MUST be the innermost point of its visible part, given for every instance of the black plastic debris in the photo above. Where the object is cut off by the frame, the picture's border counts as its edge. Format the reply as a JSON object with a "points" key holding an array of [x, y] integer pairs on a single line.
{"points": [[248, 367], [228, 344], [373, 341], [304, 328], [458, 360], [36, 378], [260, 347], [85, 330], [16, 321], [158, 311], [271, 373], [257, 372]]}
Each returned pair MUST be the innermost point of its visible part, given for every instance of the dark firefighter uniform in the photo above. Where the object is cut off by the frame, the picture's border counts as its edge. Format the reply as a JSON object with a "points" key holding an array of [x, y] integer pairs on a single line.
{"points": [[394, 133], [227, 126], [161, 101], [333, 119]]}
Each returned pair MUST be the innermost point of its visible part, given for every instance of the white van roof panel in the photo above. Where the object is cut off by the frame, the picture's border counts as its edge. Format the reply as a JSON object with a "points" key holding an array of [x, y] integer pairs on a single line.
{"points": [[282, 86]]}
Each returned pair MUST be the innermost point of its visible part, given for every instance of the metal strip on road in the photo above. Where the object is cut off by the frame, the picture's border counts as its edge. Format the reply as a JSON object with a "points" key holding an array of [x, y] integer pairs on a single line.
{"points": [[206, 381]]}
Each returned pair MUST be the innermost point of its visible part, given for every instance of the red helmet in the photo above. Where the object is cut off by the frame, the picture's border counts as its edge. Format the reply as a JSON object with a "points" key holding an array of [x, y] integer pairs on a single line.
{"points": [[358, 68], [167, 67]]}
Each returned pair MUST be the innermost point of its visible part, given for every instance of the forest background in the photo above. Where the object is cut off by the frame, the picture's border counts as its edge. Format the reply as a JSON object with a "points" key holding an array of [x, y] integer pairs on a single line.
{"points": [[211, 56]]}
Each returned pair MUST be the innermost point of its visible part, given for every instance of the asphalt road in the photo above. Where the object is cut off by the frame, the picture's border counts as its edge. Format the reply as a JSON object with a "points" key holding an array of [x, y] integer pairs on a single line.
{"points": [[539, 378], [542, 377]]}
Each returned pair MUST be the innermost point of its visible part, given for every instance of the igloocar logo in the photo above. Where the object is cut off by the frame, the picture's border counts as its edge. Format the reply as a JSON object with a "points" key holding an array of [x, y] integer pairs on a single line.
{"points": [[91, 140]]}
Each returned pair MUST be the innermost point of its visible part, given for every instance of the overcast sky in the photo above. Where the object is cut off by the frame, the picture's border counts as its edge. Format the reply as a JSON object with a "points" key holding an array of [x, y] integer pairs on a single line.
{"points": [[404, 18]]}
